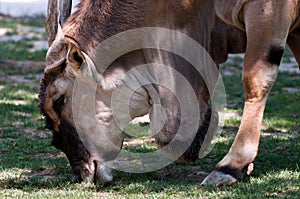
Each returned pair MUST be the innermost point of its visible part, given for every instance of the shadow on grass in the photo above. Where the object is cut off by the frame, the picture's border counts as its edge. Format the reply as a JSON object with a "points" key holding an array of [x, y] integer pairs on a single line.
{"points": [[276, 154], [28, 163]]}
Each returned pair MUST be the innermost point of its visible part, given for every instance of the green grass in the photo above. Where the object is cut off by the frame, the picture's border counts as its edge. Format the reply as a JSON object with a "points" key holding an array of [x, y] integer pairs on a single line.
{"points": [[141, 130], [31, 168], [19, 50], [282, 109], [35, 21]]}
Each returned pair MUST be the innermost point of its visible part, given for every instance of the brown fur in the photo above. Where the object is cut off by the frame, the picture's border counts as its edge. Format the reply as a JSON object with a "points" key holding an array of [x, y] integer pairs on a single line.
{"points": [[258, 28], [65, 138], [88, 29]]}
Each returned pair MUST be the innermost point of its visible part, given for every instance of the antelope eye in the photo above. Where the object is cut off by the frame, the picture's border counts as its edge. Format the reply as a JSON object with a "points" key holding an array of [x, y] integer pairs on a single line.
{"points": [[60, 101]]}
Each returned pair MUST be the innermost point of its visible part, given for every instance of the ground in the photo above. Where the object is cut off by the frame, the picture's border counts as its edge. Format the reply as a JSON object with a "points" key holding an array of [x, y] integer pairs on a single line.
{"points": [[31, 168]]}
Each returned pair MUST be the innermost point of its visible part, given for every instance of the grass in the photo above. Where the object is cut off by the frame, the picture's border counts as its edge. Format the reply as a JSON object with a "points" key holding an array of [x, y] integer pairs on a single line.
{"points": [[19, 50], [35, 21], [31, 168]]}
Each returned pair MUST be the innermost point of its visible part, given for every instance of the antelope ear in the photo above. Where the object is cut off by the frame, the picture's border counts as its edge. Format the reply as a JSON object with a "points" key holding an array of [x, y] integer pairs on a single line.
{"points": [[75, 57]]}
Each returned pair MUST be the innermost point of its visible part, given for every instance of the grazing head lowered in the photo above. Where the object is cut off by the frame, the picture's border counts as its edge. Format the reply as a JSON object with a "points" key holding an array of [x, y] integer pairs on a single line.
{"points": [[76, 73], [64, 60], [89, 142]]}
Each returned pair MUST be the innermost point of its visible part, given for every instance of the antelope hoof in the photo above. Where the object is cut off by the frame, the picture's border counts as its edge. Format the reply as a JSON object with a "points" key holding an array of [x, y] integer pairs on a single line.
{"points": [[217, 179]]}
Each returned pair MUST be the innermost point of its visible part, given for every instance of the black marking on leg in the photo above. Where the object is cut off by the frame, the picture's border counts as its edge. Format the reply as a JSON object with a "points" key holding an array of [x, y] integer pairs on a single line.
{"points": [[275, 54], [234, 172], [237, 173]]}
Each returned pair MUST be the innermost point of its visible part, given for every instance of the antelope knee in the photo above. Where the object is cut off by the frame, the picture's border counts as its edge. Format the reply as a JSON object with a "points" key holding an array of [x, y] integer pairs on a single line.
{"points": [[275, 54]]}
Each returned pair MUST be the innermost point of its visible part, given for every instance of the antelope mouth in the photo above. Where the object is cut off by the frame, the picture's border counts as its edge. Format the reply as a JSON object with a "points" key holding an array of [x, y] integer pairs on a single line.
{"points": [[96, 172]]}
